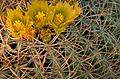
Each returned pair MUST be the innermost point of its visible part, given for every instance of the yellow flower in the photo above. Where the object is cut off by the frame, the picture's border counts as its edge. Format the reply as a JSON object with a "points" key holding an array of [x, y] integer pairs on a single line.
{"points": [[38, 11], [17, 23], [61, 15]]}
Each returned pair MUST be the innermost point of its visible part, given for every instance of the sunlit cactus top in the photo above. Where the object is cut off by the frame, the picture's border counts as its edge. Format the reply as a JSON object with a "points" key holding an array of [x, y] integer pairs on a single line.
{"points": [[40, 14]]}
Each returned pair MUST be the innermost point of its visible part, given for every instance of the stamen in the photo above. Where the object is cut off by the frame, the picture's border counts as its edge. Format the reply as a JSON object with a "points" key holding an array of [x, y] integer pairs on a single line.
{"points": [[58, 19], [40, 16], [18, 25]]}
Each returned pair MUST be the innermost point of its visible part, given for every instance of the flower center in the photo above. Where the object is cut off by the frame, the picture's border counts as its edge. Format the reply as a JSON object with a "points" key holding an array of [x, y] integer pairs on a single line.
{"points": [[58, 19], [18, 25], [40, 16]]}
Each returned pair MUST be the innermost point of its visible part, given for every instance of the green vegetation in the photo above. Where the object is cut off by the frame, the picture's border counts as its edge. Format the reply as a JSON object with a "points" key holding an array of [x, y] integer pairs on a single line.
{"points": [[87, 47]]}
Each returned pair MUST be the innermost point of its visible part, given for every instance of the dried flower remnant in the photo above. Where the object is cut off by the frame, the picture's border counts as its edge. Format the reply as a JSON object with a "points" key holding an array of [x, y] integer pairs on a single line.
{"points": [[46, 34], [28, 33]]}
